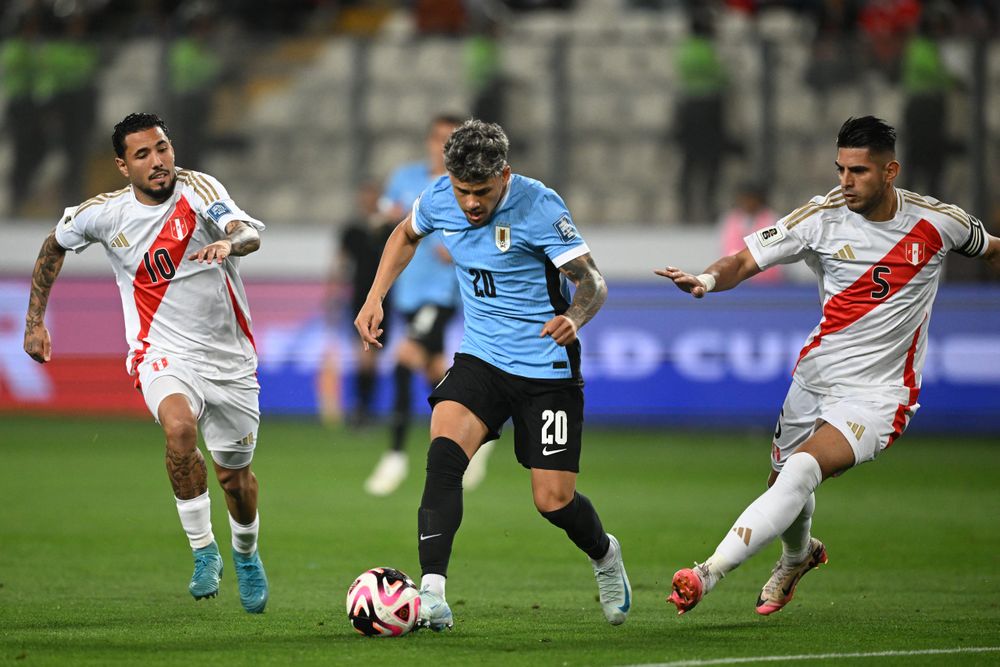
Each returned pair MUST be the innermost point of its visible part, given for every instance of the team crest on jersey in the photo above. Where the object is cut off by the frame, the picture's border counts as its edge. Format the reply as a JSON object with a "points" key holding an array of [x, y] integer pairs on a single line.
{"points": [[178, 228], [914, 253], [567, 232], [502, 237], [217, 210]]}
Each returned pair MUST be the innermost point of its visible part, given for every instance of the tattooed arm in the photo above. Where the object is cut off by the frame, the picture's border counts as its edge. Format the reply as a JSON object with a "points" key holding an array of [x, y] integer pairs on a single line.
{"points": [[241, 239], [37, 343], [591, 292]]}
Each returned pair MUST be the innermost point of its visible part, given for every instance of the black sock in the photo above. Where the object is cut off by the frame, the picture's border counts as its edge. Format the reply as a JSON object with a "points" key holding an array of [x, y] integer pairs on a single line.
{"points": [[440, 512], [403, 378], [580, 521], [366, 391]]}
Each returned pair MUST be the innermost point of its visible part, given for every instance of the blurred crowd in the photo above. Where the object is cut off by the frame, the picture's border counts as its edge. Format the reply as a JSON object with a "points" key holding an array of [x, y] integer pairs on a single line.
{"points": [[53, 51]]}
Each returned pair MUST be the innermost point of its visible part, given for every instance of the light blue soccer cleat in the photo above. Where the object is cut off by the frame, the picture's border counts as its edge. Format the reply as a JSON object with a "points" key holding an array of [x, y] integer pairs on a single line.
{"points": [[612, 583], [252, 581], [434, 612], [207, 572]]}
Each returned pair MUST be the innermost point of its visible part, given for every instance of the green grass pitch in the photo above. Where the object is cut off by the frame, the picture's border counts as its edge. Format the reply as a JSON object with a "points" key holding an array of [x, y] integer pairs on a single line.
{"points": [[94, 566]]}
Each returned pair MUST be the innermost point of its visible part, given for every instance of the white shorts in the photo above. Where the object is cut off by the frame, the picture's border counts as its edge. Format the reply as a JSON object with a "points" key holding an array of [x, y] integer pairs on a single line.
{"points": [[227, 411], [869, 423]]}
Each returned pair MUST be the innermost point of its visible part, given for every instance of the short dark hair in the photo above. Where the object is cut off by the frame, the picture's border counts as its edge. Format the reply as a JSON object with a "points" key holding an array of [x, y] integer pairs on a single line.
{"points": [[135, 122], [867, 132], [476, 151]]}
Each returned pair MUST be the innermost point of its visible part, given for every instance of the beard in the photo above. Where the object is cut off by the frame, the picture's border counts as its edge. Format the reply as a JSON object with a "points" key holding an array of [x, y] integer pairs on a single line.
{"points": [[160, 194]]}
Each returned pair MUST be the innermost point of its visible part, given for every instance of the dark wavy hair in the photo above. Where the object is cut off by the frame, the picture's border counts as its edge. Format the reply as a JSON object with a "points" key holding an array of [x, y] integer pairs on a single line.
{"points": [[476, 151], [135, 122], [867, 132]]}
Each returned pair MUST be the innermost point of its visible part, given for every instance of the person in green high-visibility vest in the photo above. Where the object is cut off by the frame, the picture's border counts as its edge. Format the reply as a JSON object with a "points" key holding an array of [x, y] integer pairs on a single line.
{"points": [[65, 87], [22, 122], [194, 70]]}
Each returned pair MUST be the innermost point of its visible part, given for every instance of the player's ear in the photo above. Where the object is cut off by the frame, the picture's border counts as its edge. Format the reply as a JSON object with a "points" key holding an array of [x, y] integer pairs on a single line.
{"points": [[122, 166], [891, 171]]}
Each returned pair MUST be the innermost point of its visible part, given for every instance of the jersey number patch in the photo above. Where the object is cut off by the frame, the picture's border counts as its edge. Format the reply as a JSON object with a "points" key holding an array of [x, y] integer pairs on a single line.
{"points": [[483, 283], [878, 278], [159, 265]]}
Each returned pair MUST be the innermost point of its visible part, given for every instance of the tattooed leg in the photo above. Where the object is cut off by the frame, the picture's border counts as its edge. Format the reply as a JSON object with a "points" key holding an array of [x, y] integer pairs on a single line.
{"points": [[185, 464]]}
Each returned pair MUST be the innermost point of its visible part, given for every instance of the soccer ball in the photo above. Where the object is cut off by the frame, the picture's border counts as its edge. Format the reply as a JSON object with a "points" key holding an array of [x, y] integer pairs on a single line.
{"points": [[383, 602]]}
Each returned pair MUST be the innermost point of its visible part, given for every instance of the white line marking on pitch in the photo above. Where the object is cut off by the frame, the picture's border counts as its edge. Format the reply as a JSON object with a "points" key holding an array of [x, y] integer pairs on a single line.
{"points": [[821, 656]]}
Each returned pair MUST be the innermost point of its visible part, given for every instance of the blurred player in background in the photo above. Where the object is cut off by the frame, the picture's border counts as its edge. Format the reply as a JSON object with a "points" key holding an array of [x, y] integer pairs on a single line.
{"points": [[426, 295], [173, 238], [361, 243], [514, 245], [877, 251]]}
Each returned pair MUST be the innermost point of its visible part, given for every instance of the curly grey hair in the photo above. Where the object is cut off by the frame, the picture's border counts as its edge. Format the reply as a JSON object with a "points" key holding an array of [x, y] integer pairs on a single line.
{"points": [[476, 151]]}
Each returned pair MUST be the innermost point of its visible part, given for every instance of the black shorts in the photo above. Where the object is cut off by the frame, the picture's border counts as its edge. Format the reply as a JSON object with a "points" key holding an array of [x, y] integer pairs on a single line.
{"points": [[547, 414], [425, 326]]}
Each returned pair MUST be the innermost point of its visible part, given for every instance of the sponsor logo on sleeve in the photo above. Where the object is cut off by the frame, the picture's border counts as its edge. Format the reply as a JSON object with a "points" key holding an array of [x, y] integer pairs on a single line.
{"points": [[770, 235], [217, 210], [567, 232]]}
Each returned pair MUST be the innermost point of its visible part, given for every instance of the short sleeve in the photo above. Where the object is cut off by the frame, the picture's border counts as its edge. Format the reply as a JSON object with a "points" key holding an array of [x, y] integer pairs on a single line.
{"points": [[76, 232], [422, 214], [780, 243], [557, 234], [215, 203], [975, 243]]}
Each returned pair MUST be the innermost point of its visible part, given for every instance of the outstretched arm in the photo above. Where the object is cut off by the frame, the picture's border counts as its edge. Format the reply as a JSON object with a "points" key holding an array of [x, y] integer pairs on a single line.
{"points": [[37, 342], [591, 292], [241, 239], [398, 252], [724, 273]]}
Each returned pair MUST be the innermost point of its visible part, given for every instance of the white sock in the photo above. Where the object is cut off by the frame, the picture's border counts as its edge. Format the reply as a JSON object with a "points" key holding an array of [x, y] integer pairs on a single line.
{"points": [[433, 583], [795, 540], [196, 519], [245, 537], [770, 515]]}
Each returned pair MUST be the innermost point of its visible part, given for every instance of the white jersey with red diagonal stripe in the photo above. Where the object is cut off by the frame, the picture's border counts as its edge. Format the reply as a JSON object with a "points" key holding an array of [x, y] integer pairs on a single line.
{"points": [[172, 305], [877, 284]]}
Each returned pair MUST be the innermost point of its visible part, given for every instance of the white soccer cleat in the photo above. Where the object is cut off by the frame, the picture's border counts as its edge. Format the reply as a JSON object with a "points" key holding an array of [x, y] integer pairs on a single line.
{"points": [[780, 588], [612, 583], [388, 474], [476, 471], [434, 612]]}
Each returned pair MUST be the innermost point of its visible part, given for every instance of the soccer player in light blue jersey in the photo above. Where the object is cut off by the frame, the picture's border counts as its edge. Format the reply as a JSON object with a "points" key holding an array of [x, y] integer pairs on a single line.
{"points": [[426, 296], [515, 249]]}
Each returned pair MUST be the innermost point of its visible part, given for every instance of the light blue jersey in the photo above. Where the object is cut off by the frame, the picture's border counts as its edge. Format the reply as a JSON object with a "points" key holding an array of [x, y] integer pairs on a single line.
{"points": [[508, 274], [429, 277]]}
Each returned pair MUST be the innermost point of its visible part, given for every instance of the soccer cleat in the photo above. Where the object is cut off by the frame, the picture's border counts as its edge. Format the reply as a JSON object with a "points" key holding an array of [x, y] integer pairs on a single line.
{"points": [[434, 612], [780, 588], [613, 586], [252, 581], [207, 572], [476, 471], [688, 588], [388, 474]]}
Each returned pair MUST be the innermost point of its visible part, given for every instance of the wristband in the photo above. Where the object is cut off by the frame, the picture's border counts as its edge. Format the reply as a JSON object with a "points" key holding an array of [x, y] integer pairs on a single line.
{"points": [[707, 280]]}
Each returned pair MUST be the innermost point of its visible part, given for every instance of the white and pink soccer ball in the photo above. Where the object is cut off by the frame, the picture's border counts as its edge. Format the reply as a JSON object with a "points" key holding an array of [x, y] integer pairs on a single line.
{"points": [[383, 602]]}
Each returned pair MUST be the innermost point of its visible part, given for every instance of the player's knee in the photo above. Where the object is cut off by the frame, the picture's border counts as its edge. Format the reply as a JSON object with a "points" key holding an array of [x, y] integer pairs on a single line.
{"points": [[551, 498], [181, 432], [235, 483]]}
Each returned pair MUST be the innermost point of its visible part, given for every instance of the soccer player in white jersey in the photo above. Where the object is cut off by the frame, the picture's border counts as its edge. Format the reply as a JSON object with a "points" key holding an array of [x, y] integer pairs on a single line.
{"points": [[877, 251], [174, 238]]}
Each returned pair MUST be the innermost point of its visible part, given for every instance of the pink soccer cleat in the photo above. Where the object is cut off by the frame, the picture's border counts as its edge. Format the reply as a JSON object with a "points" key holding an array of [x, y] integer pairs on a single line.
{"points": [[780, 588], [689, 588]]}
